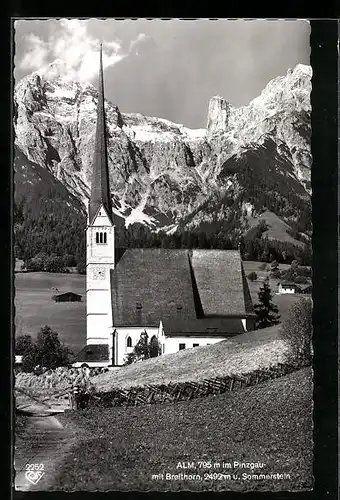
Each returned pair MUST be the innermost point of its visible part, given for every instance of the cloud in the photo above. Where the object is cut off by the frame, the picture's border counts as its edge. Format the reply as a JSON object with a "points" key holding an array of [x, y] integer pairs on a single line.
{"points": [[140, 38], [36, 54], [78, 51]]}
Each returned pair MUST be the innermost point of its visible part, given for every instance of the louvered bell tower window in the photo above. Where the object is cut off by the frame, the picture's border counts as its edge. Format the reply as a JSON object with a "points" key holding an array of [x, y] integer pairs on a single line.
{"points": [[101, 238]]}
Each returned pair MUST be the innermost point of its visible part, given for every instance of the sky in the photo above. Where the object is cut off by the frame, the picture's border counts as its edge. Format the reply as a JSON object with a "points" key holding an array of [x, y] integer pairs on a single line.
{"points": [[166, 68]]}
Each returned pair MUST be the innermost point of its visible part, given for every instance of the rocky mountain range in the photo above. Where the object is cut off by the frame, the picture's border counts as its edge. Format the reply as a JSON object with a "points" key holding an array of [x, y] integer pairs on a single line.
{"points": [[246, 161]]}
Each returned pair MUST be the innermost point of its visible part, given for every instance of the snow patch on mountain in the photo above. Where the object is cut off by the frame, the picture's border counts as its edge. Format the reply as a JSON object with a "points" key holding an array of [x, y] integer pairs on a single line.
{"points": [[137, 214], [156, 164]]}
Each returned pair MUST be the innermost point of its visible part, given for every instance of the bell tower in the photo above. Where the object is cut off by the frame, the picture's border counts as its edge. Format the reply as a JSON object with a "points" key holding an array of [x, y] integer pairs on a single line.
{"points": [[100, 237]]}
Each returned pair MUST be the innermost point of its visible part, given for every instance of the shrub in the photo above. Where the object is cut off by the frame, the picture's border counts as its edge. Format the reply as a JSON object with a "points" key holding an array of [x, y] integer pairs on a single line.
{"points": [[23, 344], [50, 353], [46, 352], [305, 271], [276, 274], [297, 331], [302, 280], [43, 262], [252, 276], [54, 264], [144, 349], [81, 268], [294, 265]]}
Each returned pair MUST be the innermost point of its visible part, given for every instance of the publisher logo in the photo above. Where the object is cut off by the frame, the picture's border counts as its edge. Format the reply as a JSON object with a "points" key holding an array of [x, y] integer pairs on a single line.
{"points": [[34, 476]]}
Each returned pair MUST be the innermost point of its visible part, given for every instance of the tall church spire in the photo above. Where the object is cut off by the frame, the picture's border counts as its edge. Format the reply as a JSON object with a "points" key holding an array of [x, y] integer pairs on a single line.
{"points": [[100, 188]]}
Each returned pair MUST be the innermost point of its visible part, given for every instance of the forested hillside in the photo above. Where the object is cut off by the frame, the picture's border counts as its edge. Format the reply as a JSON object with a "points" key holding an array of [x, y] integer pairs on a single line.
{"points": [[49, 222]]}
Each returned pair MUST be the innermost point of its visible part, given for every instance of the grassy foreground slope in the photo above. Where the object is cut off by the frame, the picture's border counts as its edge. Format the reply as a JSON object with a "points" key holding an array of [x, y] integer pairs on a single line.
{"points": [[122, 448], [237, 355]]}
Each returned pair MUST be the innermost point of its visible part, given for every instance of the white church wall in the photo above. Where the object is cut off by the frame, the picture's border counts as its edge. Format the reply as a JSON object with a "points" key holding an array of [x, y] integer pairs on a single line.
{"points": [[161, 334], [161, 337], [286, 289], [172, 343], [122, 333], [99, 316], [98, 330], [101, 251], [102, 218], [97, 301], [100, 260]]}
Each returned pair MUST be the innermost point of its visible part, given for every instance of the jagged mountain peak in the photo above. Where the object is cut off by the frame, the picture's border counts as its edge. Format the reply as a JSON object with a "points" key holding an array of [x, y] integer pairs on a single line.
{"points": [[293, 90], [218, 115], [302, 68], [160, 171], [63, 72]]}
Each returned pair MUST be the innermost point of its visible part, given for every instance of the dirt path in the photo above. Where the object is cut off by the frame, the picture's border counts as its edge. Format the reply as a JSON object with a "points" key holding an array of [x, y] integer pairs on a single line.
{"points": [[45, 443]]}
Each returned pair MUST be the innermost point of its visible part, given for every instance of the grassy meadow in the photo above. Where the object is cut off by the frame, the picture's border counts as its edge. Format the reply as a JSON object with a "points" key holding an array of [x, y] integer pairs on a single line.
{"points": [[270, 423], [276, 228], [35, 308], [283, 301]]}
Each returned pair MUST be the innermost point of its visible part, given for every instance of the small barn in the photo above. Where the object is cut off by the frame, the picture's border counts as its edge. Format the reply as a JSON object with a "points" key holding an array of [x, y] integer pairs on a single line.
{"points": [[287, 287], [67, 297]]}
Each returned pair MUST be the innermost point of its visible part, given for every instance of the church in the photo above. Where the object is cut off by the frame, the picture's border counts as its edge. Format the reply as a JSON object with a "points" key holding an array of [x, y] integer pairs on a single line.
{"points": [[183, 298]]}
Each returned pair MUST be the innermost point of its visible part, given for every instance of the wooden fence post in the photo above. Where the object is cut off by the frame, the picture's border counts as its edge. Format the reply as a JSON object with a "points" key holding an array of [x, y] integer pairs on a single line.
{"points": [[75, 394], [70, 400]]}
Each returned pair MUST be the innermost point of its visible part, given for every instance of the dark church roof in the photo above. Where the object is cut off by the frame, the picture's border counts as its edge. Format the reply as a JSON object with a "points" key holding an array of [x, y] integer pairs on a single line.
{"points": [[66, 295], [203, 327], [100, 190], [189, 290], [218, 276]]}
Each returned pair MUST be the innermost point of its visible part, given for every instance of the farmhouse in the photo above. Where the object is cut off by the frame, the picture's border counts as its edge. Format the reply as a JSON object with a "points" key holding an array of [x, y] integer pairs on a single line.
{"points": [[182, 298], [67, 297], [18, 359], [18, 363], [285, 287]]}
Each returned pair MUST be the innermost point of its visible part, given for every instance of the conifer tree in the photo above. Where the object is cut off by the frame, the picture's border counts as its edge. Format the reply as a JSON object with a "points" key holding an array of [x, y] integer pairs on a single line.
{"points": [[266, 311]]}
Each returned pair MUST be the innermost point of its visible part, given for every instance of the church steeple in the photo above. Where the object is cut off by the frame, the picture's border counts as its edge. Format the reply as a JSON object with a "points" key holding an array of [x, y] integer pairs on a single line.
{"points": [[100, 188]]}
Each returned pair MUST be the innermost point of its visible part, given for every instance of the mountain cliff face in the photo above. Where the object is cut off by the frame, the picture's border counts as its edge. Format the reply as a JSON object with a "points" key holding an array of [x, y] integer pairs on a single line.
{"points": [[164, 174]]}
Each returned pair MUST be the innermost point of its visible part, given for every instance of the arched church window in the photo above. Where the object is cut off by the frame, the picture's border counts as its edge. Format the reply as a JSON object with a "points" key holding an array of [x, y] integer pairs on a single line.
{"points": [[128, 342], [154, 347], [97, 237], [104, 237], [101, 237]]}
